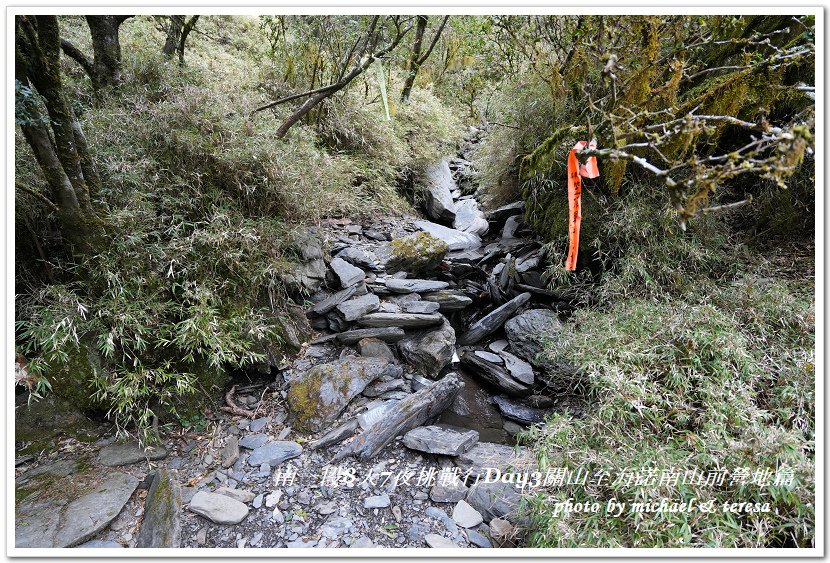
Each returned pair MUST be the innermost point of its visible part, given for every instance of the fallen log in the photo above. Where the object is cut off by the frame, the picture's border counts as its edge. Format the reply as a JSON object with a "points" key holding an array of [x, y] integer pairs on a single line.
{"points": [[410, 413]]}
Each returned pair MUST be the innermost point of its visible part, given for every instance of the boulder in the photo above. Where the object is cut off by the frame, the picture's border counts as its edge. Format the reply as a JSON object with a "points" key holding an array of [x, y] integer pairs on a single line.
{"points": [[161, 526], [429, 351], [440, 439], [219, 509], [511, 226], [469, 218], [448, 300], [439, 187], [357, 307], [493, 320], [347, 274], [527, 331], [502, 213], [274, 453], [387, 334], [400, 320], [319, 397], [415, 286], [415, 254], [454, 239]]}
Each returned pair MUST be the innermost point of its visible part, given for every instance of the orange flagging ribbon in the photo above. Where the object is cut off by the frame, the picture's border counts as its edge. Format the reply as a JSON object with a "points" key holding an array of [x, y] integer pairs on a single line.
{"points": [[587, 170]]}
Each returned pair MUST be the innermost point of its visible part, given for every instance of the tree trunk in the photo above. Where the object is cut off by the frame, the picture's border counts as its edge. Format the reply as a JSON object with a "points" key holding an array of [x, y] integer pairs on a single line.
{"points": [[188, 27], [174, 35], [106, 50], [413, 59], [64, 156]]}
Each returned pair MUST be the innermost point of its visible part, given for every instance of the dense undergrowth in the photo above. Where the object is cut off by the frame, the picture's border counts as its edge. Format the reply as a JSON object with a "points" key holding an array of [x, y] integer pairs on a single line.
{"points": [[200, 199]]}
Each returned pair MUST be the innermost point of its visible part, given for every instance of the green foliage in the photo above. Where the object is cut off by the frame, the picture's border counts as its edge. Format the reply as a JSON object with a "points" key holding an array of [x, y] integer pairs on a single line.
{"points": [[723, 380]]}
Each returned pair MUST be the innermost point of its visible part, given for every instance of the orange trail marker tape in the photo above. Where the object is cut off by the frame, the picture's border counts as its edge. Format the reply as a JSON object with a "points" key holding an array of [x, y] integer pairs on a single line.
{"points": [[587, 170]]}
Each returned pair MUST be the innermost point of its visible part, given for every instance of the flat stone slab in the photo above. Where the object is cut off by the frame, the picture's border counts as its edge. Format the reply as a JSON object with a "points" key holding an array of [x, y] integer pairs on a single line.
{"points": [[49, 514], [274, 453], [440, 439], [415, 286], [347, 274], [219, 509], [425, 307], [489, 357], [335, 299], [448, 300], [455, 239], [357, 307], [387, 334], [380, 501], [400, 320], [518, 368], [129, 452], [253, 441], [486, 455]]}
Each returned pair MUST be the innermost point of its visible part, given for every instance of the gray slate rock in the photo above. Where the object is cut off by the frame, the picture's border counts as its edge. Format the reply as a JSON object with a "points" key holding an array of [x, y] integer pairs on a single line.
{"points": [[219, 509], [336, 435], [441, 516], [493, 320], [439, 188], [108, 544], [375, 348], [495, 500], [518, 368], [380, 501], [511, 226], [451, 491], [466, 516], [274, 453], [237, 494], [478, 540], [362, 541], [360, 258], [400, 320], [347, 274], [440, 439], [455, 239], [415, 286], [501, 213], [496, 376], [448, 300], [253, 441], [259, 423], [128, 453], [527, 331], [489, 357], [429, 351], [161, 526], [519, 412], [439, 542], [357, 307], [335, 299], [387, 334], [230, 453], [469, 218], [425, 307]]}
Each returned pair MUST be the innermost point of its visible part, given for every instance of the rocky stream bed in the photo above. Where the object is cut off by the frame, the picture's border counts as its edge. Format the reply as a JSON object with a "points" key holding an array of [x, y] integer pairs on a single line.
{"points": [[423, 365]]}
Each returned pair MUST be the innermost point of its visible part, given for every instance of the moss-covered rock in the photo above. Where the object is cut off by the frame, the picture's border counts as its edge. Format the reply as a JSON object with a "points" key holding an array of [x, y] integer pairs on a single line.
{"points": [[325, 390], [416, 253], [40, 424]]}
